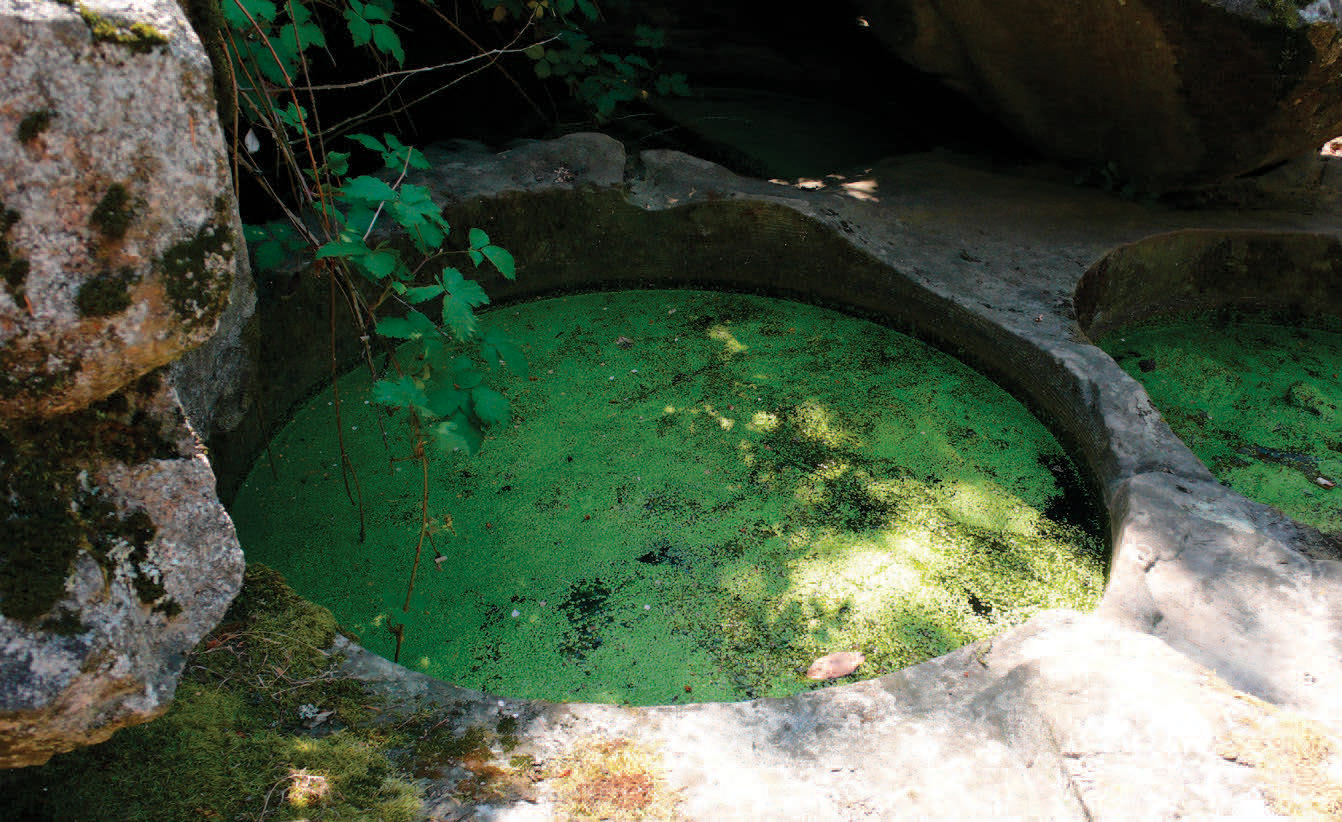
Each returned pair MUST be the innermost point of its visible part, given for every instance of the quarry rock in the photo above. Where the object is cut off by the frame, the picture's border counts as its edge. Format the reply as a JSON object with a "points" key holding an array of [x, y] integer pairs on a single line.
{"points": [[1204, 685], [1147, 94], [120, 250], [120, 237]]}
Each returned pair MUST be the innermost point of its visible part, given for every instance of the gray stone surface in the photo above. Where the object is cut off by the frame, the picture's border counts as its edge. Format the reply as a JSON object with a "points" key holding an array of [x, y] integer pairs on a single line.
{"points": [[1221, 617], [137, 600], [115, 184]]}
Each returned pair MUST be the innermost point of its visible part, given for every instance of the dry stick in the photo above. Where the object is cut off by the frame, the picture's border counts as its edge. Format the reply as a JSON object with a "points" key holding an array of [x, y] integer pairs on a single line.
{"points": [[453, 25]]}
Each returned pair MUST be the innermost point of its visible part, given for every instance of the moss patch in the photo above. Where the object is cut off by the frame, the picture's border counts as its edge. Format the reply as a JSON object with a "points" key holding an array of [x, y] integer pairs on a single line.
{"points": [[33, 124], [34, 371], [106, 294], [611, 778], [196, 286], [236, 742], [51, 510], [696, 514], [13, 269], [139, 38], [114, 212], [1292, 756]]}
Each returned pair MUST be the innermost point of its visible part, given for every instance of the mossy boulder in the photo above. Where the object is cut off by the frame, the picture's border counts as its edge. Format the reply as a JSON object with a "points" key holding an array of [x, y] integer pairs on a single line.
{"points": [[120, 240], [1144, 94], [119, 247]]}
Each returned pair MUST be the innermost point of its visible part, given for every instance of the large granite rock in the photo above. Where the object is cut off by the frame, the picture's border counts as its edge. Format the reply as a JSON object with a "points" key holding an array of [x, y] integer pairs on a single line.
{"points": [[119, 253], [120, 238], [1157, 94]]}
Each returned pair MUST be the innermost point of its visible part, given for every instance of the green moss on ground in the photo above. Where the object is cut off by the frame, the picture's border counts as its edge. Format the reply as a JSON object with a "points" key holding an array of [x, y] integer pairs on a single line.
{"points": [[1257, 403], [105, 294], [235, 744], [695, 514], [13, 269]]}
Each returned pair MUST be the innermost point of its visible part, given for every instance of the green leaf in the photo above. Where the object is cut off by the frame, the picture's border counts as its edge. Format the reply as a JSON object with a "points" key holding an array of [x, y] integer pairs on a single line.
{"points": [[444, 401], [649, 37], [497, 350], [468, 291], [367, 189], [420, 293], [263, 11], [378, 264], [459, 434], [337, 162], [412, 326], [402, 392], [417, 213], [542, 69], [309, 33], [369, 142], [458, 316], [359, 29], [293, 116], [388, 42], [589, 9], [502, 260], [478, 238], [342, 248], [490, 406], [535, 51], [465, 375], [269, 255]]}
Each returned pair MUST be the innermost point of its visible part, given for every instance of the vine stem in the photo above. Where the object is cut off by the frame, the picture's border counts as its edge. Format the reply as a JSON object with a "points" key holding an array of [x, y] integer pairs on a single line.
{"points": [[423, 520], [346, 464]]}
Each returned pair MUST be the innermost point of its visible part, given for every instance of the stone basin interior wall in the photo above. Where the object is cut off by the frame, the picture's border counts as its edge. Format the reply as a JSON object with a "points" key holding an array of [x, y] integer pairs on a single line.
{"points": [[1281, 277]]}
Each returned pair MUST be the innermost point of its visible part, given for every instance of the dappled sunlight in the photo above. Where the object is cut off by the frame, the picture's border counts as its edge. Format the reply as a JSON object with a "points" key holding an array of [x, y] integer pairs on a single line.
{"points": [[991, 507], [730, 345], [860, 187], [697, 516]]}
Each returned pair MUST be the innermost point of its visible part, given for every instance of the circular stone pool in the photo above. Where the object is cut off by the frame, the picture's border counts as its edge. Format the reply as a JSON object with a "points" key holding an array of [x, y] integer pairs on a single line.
{"points": [[1260, 405], [699, 494]]}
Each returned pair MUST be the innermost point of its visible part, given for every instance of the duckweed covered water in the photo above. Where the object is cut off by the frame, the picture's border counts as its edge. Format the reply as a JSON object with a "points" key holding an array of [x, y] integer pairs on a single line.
{"points": [[1258, 403], [699, 494]]}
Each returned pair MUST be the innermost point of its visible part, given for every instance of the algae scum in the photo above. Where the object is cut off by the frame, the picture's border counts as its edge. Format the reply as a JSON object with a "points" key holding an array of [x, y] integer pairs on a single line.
{"points": [[698, 495], [1258, 403]]}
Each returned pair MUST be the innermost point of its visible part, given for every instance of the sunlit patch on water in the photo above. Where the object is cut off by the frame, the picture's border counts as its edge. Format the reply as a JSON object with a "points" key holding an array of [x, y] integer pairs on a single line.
{"points": [[700, 495]]}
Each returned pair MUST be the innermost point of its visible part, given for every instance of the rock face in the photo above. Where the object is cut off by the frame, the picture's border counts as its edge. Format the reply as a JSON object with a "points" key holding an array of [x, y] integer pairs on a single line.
{"points": [[119, 241], [1158, 94], [119, 253]]}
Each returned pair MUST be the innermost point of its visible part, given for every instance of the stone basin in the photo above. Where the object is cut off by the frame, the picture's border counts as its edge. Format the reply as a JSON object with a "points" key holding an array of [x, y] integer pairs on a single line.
{"points": [[1219, 612]]}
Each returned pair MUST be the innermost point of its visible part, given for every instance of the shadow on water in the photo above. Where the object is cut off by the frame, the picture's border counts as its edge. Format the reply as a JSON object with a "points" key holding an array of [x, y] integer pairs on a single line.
{"points": [[696, 516]]}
